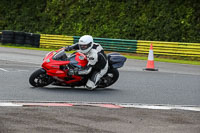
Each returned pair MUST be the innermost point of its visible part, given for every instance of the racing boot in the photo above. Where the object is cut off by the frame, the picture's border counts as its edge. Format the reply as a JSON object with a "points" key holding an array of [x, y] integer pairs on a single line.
{"points": [[90, 85]]}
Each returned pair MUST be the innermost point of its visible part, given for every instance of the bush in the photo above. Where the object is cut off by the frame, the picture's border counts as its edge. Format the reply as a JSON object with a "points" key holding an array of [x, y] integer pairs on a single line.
{"points": [[172, 20]]}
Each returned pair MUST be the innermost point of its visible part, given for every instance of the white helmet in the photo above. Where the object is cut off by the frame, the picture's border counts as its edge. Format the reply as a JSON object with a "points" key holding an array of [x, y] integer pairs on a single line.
{"points": [[85, 43]]}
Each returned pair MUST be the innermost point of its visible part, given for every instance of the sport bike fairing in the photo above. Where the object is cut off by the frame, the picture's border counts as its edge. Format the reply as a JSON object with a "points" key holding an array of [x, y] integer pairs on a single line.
{"points": [[57, 65]]}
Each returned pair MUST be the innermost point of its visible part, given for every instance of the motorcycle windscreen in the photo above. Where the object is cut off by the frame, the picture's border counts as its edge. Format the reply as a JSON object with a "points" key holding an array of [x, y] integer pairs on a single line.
{"points": [[116, 60], [61, 55]]}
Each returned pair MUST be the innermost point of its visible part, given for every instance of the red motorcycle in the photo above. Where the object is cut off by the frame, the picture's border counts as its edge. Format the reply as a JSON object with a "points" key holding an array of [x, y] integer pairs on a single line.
{"points": [[57, 64]]}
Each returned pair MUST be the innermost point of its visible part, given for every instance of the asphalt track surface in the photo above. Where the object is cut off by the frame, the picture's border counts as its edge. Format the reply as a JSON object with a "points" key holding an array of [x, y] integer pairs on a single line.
{"points": [[173, 84]]}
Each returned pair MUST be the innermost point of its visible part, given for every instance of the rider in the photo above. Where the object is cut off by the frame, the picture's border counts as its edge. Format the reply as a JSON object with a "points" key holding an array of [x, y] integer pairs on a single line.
{"points": [[97, 60]]}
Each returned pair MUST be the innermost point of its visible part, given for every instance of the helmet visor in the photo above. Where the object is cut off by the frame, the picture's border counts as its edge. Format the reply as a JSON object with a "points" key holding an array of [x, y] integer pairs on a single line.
{"points": [[84, 46]]}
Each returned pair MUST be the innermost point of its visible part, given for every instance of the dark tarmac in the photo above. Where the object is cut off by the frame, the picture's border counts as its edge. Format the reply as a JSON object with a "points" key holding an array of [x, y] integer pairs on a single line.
{"points": [[89, 119]]}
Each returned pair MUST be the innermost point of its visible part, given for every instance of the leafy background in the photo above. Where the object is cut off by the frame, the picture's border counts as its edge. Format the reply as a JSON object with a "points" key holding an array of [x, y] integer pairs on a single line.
{"points": [[156, 20]]}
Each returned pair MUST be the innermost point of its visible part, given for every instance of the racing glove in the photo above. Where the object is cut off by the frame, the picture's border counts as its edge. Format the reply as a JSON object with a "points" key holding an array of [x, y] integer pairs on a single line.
{"points": [[68, 48]]}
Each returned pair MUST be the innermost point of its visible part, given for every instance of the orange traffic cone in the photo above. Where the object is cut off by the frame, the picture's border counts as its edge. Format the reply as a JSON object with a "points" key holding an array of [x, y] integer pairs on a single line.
{"points": [[150, 63]]}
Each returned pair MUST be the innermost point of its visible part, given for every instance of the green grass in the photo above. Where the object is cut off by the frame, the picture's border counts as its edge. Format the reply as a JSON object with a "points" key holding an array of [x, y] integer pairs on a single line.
{"points": [[165, 60], [128, 56]]}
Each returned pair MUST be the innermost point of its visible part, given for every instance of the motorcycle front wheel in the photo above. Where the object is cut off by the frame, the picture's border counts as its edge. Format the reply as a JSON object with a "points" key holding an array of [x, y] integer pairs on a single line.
{"points": [[40, 79], [109, 79]]}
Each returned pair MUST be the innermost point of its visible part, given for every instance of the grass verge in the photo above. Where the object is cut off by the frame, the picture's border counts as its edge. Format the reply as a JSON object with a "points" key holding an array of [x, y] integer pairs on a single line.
{"points": [[165, 60], [128, 56]]}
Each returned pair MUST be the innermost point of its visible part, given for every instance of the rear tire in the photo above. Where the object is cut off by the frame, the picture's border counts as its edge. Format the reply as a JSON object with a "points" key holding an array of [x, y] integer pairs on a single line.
{"points": [[40, 79], [109, 79]]}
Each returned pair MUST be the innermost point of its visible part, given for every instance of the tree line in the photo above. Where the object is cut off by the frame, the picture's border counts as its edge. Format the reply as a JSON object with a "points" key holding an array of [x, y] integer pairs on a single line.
{"points": [[155, 20]]}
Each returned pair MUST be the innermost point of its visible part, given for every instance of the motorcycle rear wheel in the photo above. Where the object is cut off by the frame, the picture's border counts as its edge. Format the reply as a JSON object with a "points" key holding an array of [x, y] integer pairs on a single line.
{"points": [[111, 77], [40, 79]]}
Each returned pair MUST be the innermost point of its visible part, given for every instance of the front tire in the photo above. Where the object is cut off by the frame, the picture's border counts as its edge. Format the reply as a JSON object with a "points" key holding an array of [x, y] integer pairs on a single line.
{"points": [[40, 79]]}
